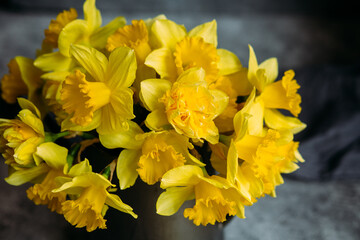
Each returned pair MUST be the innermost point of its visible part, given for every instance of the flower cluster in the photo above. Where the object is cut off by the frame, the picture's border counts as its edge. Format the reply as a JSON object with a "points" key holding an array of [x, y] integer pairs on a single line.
{"points": [[206, 127]]}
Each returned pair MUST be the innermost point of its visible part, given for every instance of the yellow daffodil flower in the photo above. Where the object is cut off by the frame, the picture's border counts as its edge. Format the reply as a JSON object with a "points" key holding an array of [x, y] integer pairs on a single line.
{"points": [[63, 32], [266, 156], [188, 105], [136, 36], [148, 155], [276, 94], [89, 208], [41, 193], [20, 137], [179, 50], [55, 27], [214, 197], [102, 100], [87, 31], [23, 80]]}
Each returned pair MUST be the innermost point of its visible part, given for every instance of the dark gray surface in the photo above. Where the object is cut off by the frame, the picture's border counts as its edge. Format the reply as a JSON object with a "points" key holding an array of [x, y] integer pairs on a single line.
{"points": [[322, 48]]}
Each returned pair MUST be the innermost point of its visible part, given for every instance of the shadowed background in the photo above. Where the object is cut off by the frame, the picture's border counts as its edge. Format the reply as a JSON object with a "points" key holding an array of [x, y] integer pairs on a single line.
{"points": [[318, 39]]}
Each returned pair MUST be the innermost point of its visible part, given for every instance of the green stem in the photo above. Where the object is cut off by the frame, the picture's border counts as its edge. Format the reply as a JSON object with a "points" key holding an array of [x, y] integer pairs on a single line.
{"points": [[72, 154], [85, 135], [52, 137], [106, 172]]}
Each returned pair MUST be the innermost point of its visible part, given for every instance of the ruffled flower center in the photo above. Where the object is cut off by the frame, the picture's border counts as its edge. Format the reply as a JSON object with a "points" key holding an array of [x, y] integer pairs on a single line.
{"points": [[195, 52], [134, 36], [210, 206], [55, 27], [12, 84], [42, 193], [82, 98], [157, 158], [86, 211], [283, 94], [190, 110]]}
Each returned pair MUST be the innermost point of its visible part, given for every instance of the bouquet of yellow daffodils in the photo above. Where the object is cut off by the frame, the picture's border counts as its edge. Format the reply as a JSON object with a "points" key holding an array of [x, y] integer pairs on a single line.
{"points": [[205, 127]]}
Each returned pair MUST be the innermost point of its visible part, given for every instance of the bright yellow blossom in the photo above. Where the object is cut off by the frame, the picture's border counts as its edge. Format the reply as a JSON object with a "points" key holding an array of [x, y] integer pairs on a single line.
{"points": [[187, 105], [41, 193], [267, 156], [87, 31], [104, 100], [23, 80], [55, 27], [89, 208], [20, 137], [275, 94], [214, 197], [179, 50], [148, 155], [136, 36]]}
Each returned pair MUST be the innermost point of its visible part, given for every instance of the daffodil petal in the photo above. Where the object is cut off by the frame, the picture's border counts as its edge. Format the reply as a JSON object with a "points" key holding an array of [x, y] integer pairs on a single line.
{"points": [[208, 31], [232, 163], [122, 102], [92, 15], [221, 100], [157, 120], [151, 90], [66, 124], [30, 119], [53, 154], [111, 121], [286, 136], [229, 63], [254, 107], [24, 152], [84, 181], [80, 168], [276, 120], [92, 60], [253, 69], [54, 61], [99, 38], [55, 76], [240, 124], [271, 69], [121, 58], [187, 175], [298, 156], [23, 176], [167, 33], [123, 138], [162, 60], [26, 104], [149, 22], [171, 200], [74, 32], [114, 201], [29, 73], [126, 167]]}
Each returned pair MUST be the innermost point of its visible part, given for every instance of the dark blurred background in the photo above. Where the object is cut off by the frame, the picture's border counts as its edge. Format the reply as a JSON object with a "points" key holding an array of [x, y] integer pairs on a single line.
{"points": [[320, 40]]}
